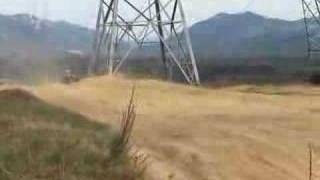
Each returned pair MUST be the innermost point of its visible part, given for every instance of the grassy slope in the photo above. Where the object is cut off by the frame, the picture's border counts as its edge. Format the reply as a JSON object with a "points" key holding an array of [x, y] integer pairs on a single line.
{"points": [[40, 141], [242, 132]]}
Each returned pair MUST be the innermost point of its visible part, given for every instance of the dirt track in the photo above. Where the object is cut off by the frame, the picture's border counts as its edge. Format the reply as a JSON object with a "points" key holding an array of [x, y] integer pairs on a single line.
{"points": [[234, 133]]}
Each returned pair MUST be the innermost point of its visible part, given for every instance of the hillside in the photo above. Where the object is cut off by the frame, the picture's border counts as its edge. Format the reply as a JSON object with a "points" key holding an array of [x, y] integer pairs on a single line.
{"points": [[222, 36], [248, 35], [42, 141], [244, 47], [32, 49], [240, 132], [21, 34]]}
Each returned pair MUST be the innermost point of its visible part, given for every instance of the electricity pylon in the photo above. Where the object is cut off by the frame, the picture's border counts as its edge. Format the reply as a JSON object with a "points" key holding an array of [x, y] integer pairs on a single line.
{"points": [[311, 11], [125, 25]]}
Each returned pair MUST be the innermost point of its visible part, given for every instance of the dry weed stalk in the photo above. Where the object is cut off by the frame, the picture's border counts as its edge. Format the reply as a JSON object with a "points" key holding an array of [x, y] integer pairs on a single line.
{"points": [[127, 122], [310, 161], [128, 119]]}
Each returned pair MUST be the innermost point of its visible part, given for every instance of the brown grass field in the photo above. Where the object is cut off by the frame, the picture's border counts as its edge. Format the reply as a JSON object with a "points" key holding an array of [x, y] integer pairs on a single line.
{"points": [[42, 141], [191, 133]]}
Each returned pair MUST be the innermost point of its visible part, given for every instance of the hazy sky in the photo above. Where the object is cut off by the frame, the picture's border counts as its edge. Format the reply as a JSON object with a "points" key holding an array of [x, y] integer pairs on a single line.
{"points": [[84, 12]]}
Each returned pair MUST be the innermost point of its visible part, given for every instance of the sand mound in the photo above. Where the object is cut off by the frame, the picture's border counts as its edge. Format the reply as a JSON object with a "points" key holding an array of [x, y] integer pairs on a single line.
{"points": [[197, 133], [16, 93]]}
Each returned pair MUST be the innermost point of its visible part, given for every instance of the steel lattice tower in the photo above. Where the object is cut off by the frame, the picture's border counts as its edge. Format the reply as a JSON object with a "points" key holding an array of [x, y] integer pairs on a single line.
{"points": [[311, 10], [125, 25]]}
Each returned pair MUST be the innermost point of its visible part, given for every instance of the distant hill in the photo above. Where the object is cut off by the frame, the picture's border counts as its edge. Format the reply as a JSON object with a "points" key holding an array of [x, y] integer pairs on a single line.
{"points": [[31, 48], [222, 36], [248, 35], [22, 34], [28, 44]]}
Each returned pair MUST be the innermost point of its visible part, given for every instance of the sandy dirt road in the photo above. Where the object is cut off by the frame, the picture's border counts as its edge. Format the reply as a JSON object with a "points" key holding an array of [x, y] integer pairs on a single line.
{"points": [[232, 133]]}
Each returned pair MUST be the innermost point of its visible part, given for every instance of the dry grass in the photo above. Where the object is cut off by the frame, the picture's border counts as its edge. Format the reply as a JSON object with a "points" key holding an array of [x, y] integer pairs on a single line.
{"points": [[243, 132], [41, 141]]}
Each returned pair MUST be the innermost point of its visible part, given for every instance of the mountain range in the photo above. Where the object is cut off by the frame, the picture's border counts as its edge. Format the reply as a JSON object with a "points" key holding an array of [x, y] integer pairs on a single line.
{"points": [[24, 35], [244, 35], [248, 35]]}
